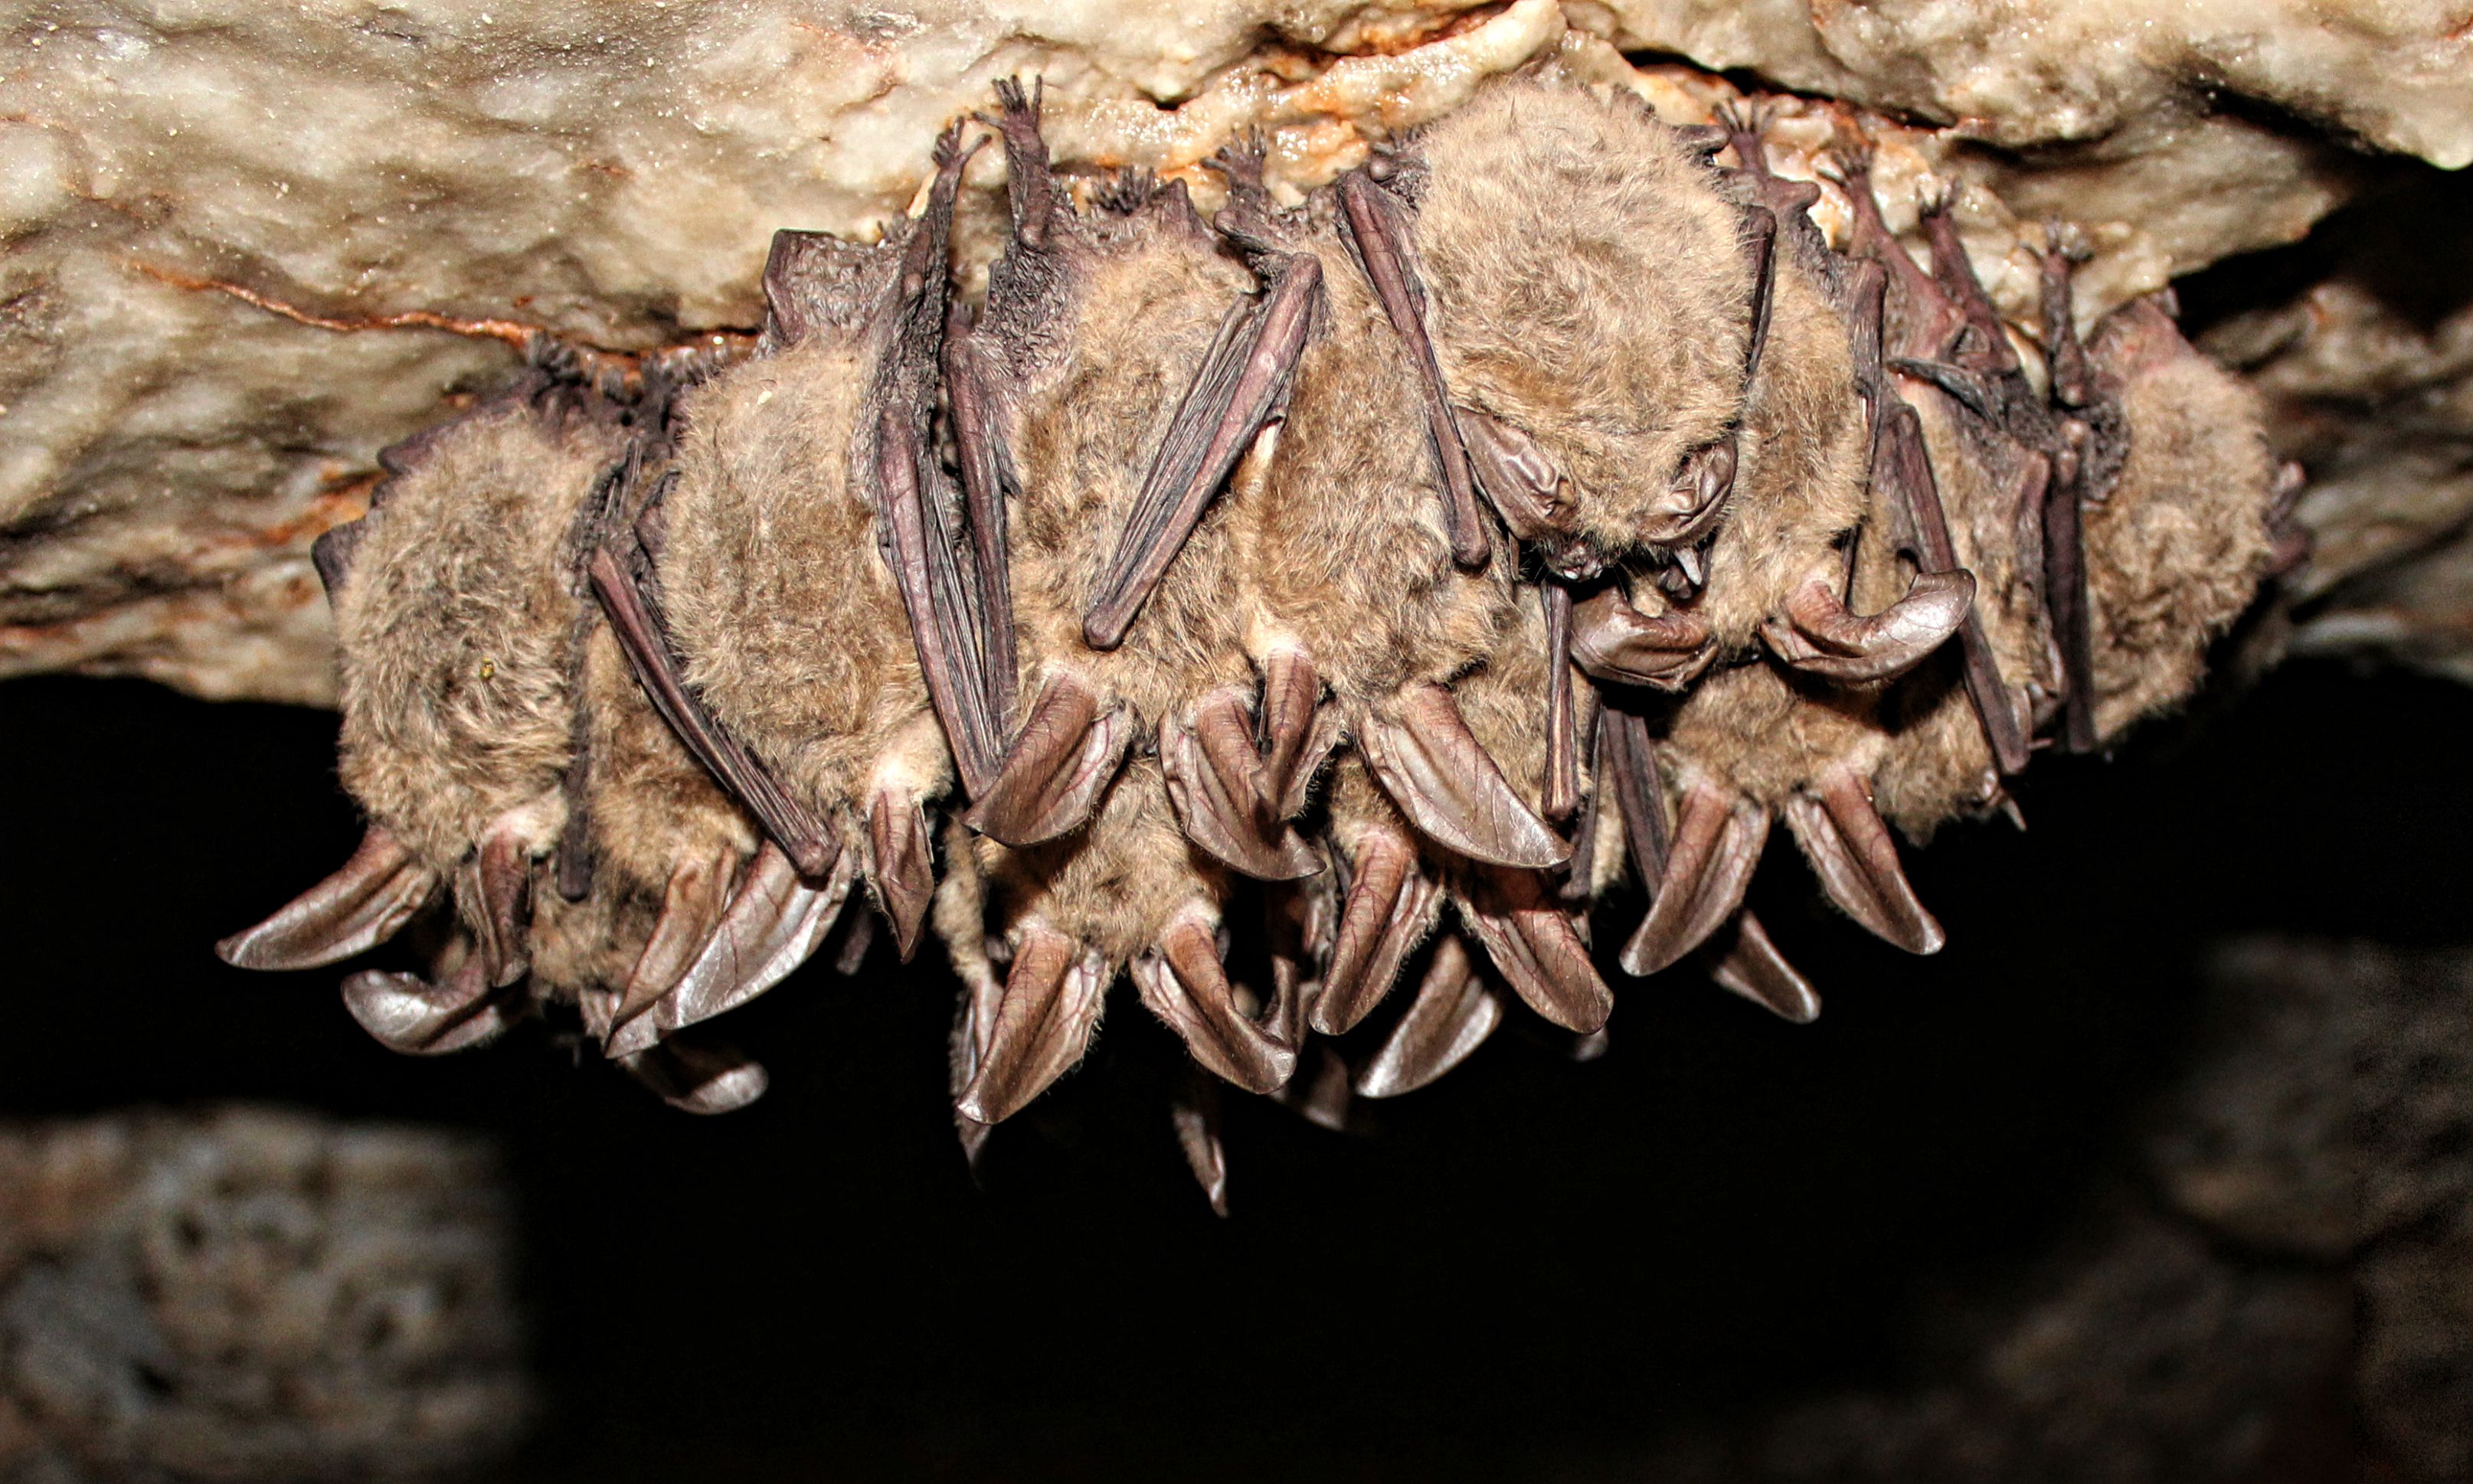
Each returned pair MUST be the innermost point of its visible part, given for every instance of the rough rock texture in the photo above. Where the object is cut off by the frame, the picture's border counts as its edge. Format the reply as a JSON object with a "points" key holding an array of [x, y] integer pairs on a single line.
{"points": [[2368, 375], [168, 452], [251, 1295], [2281, 1293]]}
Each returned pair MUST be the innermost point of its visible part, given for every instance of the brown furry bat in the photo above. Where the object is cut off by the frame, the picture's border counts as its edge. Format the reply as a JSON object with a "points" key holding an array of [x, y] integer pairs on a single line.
{"points": [[1220, 594], [471, 672], [793, 626], [1120, 367]]}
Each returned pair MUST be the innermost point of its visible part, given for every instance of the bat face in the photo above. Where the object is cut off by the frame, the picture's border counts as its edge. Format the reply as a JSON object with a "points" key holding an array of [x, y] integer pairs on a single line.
{"points": [[1373, 587]]}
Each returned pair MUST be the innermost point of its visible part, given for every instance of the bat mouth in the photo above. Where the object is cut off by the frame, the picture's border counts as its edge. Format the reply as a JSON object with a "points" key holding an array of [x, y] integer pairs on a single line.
{"points": [[1572, 558]]}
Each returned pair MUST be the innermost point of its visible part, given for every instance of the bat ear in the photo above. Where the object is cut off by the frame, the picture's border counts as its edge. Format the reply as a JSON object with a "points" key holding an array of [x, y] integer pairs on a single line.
{"points": [[1532, 941], [699, 1079], [494, 889], [1752, 967], [1058, 766], [773, 923], [692, 905], [1717, 839], [1299, 731], [1217, 782], [1454, 1013], [1690, 506], [1195, 1107], [360, 906], [1450, 787], [331, 554], [1390, 908], [1517, 477], [1851, 851], [902, 863], [1817, 633], [1187, 986], [1042, 1024]]}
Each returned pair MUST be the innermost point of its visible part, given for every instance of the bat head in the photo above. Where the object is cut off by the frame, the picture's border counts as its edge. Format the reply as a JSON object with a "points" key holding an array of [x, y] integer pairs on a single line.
{"points": [[1588, 292]]}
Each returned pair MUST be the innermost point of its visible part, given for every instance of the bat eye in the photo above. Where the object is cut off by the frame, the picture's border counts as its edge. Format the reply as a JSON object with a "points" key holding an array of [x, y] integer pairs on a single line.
{"points": [[489, 669]]}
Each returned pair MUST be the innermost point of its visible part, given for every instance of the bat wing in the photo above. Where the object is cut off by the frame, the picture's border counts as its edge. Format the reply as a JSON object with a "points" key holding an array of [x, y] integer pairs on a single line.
{"points": [[1241, 389], [1373, 218], [631, 598]]}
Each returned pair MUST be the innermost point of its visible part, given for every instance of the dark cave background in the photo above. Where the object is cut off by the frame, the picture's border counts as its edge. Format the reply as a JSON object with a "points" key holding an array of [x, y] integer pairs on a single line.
{"points": [[1530, 1264]]}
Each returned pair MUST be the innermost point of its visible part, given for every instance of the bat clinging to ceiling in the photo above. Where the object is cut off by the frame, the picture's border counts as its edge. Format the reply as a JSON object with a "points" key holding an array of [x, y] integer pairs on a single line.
{"points": [[1315, 602]]}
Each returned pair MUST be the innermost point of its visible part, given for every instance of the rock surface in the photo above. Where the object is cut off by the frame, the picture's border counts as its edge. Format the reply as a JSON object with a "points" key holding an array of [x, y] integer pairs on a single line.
{"points": [[168, 451], [253, 1295]]}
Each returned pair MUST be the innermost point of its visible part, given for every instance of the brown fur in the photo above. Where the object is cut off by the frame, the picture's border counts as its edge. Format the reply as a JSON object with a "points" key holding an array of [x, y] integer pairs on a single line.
{"points": [[1942, 766], [654, 807], [794, 632], [456, 627], [1143, 300], [1804, 450], [1586, 285], [1115, 885], [2178, 548], [1340, 529]]}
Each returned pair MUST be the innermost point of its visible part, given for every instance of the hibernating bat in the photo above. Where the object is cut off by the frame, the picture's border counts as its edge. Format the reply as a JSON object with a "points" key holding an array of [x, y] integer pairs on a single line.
{"points": [[1286, 609]]}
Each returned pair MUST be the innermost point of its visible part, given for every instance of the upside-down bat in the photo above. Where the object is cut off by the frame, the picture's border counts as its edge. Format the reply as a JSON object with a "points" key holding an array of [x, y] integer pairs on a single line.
{"points": [[494, 740], [1365, 589]]}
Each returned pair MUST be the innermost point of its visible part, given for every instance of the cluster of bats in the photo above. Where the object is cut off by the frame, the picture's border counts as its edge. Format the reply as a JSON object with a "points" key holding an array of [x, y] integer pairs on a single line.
{"points": [[1367, 587]]}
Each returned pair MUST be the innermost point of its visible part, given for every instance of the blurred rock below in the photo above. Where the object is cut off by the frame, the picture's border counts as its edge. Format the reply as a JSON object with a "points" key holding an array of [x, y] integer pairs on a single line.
{"points": [[253, 1295], [167, 452], [2280, 1292]]}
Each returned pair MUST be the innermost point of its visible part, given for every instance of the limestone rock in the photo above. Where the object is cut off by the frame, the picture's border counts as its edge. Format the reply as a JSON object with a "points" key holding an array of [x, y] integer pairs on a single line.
{"points": [[253, 1295], [168, 451]]}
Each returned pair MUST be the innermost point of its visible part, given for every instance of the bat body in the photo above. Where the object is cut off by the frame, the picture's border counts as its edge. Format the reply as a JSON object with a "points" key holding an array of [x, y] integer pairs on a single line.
{"points": [[1540, 506], [1108, 398], [780, 556]]}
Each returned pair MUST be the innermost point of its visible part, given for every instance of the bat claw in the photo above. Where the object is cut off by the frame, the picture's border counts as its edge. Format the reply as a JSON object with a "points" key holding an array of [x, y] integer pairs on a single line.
{"points": [[1454, 1013], [1717, 839], [364, 903], [1851, 852], [1041, 1026], [1817, 633]]}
